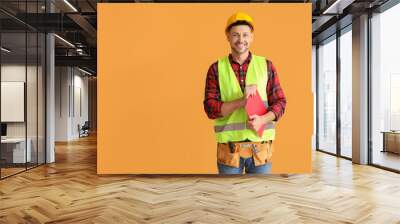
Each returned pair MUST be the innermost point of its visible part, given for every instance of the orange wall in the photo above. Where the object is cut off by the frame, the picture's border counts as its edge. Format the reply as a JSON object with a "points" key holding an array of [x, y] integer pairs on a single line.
{"points": [[152, 65]]}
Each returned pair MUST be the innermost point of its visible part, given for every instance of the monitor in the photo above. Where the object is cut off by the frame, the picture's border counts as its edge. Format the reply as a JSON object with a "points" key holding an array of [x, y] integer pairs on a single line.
{"points": [[3, 129]]}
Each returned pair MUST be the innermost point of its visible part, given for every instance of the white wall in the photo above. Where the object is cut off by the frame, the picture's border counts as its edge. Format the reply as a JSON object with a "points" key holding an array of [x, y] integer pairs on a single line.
{"points": [[79, 117], [71, 93], [61, 103], [12, 73]]}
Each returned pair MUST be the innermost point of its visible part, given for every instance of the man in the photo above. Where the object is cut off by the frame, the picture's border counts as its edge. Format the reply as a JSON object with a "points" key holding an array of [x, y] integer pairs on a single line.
{"points": [[230, 82]]}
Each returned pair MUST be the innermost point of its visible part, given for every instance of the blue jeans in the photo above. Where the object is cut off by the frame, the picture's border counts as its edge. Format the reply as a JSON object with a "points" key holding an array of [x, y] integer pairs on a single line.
{"points": [[248, 165]]}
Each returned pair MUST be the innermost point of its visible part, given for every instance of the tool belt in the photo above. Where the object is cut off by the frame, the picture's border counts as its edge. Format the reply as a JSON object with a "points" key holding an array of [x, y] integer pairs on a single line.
{"points": [[229, 153]]}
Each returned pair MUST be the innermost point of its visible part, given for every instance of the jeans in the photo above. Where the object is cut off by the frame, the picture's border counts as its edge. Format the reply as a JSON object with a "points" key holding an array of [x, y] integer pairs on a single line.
{"points": [[247, 165]]}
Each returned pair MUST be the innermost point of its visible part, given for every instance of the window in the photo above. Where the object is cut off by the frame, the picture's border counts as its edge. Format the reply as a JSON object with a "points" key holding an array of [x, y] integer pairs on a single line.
{"points": [[385, 88], [327, 95], [346, 92]]}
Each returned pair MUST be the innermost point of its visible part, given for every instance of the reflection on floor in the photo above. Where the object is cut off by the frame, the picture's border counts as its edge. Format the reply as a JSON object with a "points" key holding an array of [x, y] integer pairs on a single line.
{"points": [[387, 159], [10, 169]]}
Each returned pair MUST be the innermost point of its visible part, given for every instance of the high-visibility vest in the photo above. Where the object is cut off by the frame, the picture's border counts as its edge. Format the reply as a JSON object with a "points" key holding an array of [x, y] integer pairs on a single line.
{"points": [[233, 127]]}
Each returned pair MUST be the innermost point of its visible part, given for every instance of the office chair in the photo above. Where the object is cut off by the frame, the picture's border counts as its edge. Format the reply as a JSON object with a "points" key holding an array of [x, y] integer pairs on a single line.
{"points": [[84, 130]]}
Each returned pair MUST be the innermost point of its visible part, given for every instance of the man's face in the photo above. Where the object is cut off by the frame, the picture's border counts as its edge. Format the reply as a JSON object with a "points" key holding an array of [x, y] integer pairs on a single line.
{"points": [[240, 38]]}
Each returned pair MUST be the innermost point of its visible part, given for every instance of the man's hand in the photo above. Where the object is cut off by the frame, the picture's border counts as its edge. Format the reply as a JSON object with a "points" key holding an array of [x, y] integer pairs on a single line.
{"points": [[255, 122], [250, 91]]}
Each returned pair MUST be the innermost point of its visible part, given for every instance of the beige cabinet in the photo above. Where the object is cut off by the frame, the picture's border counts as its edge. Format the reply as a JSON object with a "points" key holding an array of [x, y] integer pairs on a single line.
{"points": [[391, 141]]}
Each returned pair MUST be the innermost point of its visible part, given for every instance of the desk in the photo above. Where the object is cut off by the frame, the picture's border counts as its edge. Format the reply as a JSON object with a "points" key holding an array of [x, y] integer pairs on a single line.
{"points": [[391, 141], [13, 150]]}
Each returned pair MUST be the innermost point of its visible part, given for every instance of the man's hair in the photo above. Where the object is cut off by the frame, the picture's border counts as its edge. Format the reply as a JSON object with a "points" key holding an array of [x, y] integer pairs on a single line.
{"points": [[238, 23]]}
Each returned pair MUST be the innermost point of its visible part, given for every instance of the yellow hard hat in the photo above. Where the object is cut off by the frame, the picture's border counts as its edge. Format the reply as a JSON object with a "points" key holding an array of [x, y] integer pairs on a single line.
{"points": [[239, 16]]}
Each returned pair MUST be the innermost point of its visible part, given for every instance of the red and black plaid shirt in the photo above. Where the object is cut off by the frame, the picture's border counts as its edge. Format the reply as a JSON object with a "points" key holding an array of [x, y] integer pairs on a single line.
{"points": [[212, 99]]}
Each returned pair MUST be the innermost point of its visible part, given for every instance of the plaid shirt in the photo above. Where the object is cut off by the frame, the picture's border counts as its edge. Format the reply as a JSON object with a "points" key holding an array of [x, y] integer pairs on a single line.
{"points": [[212, 99]]}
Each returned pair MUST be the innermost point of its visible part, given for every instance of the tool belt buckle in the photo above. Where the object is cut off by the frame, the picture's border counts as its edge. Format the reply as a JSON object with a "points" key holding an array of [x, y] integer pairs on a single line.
{"points": [[245, 150], [246, 145]]}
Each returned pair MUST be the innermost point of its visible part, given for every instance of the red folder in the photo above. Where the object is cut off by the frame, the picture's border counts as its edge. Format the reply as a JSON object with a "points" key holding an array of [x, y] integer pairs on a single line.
{"points": [[255, 106]]}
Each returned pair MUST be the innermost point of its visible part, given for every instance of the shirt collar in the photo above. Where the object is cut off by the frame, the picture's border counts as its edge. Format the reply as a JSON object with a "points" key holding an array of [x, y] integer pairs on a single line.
{"points": [[247, 61]]}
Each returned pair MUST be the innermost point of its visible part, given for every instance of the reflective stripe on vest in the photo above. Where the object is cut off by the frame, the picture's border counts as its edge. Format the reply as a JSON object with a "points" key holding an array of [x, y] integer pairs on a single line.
{"points": [[239, 126], [233, 127]]}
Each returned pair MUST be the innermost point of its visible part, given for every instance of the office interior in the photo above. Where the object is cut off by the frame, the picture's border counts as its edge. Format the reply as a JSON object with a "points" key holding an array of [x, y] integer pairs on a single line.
{"points": [[48, 80], [49, 96], [354, 67]]}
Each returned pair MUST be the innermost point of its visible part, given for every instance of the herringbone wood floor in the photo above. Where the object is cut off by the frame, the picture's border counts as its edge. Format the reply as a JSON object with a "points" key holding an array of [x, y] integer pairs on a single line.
{"points": [[69, 191]]}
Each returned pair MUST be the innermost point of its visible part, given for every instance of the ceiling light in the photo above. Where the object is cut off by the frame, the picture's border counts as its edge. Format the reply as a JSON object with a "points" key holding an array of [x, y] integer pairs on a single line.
{"points": [[5, 50], [79, 51], [337, 7], [64, 40], [70, 5], [84, 71]]}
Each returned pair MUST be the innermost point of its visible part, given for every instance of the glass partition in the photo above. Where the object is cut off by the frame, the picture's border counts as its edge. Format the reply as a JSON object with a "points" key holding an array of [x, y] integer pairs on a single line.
{"points": [[22, 77], [15, 151]]}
